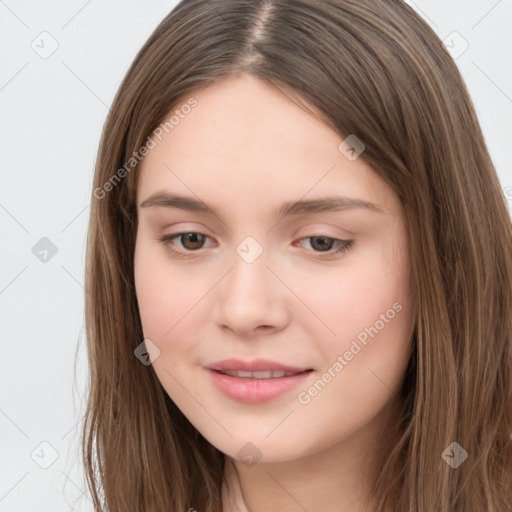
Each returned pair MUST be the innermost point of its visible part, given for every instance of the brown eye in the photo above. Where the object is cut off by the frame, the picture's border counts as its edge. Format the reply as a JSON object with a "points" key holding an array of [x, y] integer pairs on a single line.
{"points": [[329, 245], [323, 243], [192, 241]]}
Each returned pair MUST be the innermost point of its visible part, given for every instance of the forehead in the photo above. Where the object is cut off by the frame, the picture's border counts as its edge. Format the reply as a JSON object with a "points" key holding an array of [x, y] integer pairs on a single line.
{"points": [[246, 143]]}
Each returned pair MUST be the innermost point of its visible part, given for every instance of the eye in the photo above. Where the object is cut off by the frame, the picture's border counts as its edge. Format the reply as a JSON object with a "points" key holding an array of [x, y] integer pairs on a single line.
{"points": [[329, 245], [191, 241]]}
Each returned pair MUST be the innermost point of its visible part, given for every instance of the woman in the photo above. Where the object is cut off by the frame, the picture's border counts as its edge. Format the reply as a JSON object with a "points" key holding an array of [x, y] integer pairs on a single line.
{"points": [[299, 271]]}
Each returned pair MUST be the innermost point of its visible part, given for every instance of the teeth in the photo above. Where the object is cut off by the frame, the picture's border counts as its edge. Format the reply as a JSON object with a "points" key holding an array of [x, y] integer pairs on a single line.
{"points": [[267, 374]]}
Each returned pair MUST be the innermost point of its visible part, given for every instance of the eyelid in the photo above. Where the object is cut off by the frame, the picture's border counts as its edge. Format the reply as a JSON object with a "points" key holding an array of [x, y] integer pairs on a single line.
{"points": [[321, 229]]}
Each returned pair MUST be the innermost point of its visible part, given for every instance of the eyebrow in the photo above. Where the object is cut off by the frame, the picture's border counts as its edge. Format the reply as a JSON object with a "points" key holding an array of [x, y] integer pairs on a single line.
{"points": [[290, 208]]}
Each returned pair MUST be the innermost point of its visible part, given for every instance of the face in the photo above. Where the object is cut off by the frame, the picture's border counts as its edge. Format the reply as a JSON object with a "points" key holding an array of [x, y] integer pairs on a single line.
{"points": [[261, 262]]}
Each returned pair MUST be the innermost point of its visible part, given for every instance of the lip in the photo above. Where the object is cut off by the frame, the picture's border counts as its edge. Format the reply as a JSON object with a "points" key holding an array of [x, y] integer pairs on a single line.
{"points": [[256, 365], [250, 390]]}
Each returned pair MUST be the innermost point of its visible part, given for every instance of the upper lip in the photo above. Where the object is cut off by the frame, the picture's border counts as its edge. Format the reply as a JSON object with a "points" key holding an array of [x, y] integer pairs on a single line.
{"points": [[256, 365]]}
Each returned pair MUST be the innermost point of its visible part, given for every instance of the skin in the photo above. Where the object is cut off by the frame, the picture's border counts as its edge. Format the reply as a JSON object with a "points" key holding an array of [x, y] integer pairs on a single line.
{"points": [[245, 149]]}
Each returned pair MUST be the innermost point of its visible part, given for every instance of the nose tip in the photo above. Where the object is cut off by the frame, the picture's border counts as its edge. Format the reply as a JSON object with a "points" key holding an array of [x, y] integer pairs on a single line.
{"points": [[250, 298]]}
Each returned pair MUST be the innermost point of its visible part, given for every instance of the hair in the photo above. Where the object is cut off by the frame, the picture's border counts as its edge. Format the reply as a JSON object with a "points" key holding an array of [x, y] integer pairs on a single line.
{"points": [[365, 67]]}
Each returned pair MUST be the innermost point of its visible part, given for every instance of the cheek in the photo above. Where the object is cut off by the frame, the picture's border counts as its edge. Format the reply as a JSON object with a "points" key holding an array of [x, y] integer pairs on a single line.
{"points": [[368, 311], [364, 361], [371, 289], [164, 295], [168, 306]]}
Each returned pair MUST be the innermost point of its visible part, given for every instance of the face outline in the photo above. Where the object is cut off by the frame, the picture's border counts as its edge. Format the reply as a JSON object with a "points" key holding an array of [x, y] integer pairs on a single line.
{"points": [[292, 304]]}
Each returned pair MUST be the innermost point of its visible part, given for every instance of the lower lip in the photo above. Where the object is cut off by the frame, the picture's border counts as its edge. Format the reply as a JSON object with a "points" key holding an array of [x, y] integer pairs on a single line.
{"points": [[255, 391]]}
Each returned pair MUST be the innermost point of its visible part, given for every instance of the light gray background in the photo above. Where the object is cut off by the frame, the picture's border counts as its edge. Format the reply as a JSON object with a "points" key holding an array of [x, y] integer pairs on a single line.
{"points": [[52, 111]]}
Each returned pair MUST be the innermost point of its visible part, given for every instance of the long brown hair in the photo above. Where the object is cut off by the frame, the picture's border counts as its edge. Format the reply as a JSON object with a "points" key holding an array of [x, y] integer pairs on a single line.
{"points": [[372, 68]]}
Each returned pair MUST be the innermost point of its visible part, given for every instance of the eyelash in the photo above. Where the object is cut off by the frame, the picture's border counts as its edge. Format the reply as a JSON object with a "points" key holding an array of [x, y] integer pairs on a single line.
{"points": [[343, 245]]}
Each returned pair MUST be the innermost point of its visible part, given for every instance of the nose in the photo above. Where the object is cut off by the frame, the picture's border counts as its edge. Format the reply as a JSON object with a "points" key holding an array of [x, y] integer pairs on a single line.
{"points": [[251, 299]]}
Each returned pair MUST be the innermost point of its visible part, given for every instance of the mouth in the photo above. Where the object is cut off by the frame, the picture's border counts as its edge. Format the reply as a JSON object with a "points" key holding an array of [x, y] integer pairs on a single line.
{"points": [[255, 366], [257, 381], [266, 374]]}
